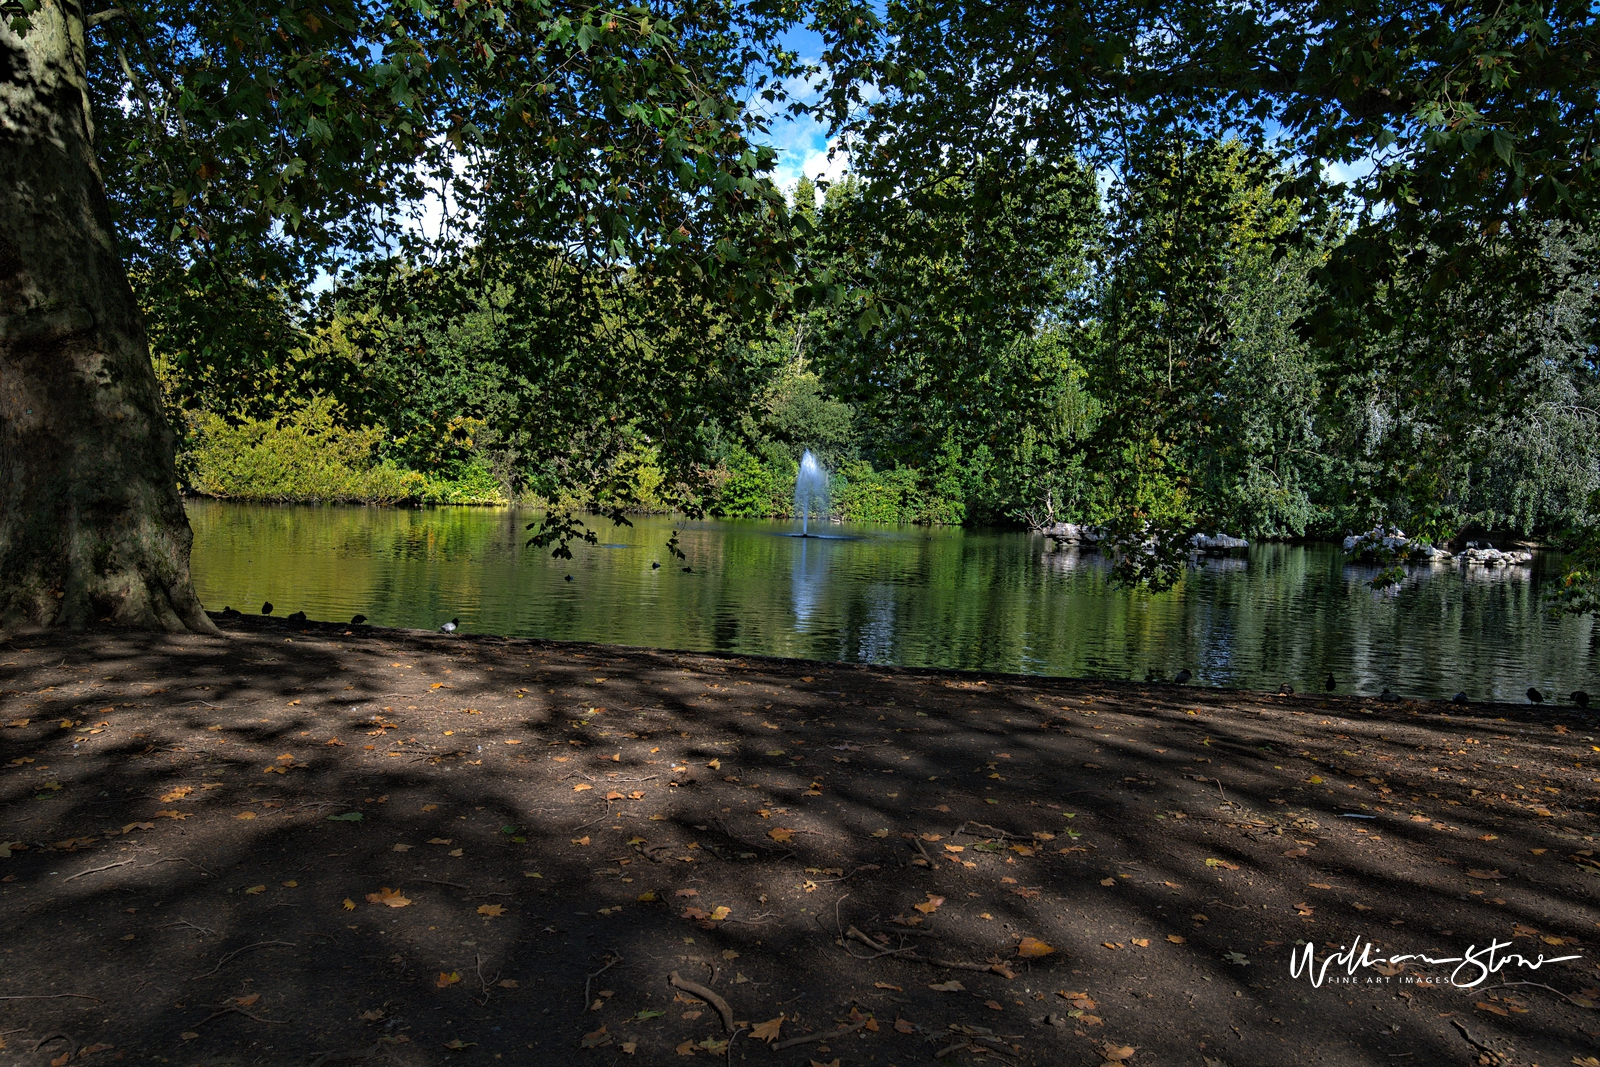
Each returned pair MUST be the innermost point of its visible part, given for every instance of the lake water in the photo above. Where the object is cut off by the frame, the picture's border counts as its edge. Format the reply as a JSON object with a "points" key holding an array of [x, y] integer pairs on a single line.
{"points": [[977, 600]]}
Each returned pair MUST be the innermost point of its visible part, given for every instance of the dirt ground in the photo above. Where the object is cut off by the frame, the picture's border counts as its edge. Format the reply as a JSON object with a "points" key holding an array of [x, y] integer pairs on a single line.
{"points": [[313, 844]]}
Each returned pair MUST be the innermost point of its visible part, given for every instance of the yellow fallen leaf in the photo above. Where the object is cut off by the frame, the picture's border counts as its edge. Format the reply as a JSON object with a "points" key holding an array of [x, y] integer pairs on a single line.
{"points": [[1177, 939], [1032, 947], [349, 905], [581, 786], [715, 765], [246, 816], [779, 834], [438, 840], [457, 852], [929, 906], [880, 833], [1142, 942], [291, 884], [720, 912], [493, 911], [177, 794], [445, 980], [1108, 881], [767, 1031], [392, 897], [584, 840], [1223, 864], [1117, 1053]]}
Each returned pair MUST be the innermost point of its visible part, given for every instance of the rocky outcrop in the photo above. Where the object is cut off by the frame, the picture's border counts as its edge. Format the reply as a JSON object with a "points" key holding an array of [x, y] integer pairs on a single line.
{"points": [[1381, 544], [1216, 542]]}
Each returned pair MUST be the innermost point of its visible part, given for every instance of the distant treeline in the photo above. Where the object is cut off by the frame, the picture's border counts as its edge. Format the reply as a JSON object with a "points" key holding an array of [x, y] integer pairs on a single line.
{"points": [[1013, 348]]}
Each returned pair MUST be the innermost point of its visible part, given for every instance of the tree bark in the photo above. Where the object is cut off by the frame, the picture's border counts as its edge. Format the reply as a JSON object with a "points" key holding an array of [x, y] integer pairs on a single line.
{"points": [[92, 530]]}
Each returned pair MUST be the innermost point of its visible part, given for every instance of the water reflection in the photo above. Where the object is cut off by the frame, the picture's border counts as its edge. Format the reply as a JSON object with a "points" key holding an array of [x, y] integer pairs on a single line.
{"points": [[951, 598]]}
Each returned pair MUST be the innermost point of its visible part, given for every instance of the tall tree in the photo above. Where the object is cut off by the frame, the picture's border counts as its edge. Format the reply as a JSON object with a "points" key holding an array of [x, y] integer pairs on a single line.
{"points": [[244, 146]]}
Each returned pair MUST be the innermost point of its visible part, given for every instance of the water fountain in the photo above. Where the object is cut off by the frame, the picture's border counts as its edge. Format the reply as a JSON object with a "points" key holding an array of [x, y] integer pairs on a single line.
{"points": [[810, 491]]}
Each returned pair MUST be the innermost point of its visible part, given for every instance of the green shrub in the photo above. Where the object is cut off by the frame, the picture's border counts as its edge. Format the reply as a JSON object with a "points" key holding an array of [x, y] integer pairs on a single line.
{"points": [[471, 484], [303, 456], [861, 494]]}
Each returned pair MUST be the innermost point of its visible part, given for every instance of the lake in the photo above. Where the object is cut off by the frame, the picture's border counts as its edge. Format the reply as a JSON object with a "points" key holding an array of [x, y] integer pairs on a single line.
{"points": [[968, 599]]}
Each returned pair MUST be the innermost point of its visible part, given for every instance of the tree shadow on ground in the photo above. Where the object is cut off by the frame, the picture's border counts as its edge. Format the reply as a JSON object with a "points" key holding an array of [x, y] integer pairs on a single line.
{"points": [[316, 844]]}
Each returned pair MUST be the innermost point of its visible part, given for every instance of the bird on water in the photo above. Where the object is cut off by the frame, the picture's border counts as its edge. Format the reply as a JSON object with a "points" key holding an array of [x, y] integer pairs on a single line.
{"points": [[1183, 676], [654, 565], [266, 609], [357, 620], [450, 627], [1580, 698], [1534, 696], [569, 578]]}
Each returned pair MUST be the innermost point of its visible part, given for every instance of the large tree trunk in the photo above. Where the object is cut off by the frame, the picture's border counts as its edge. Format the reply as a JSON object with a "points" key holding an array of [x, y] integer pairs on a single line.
{"points": [[92, 530]]}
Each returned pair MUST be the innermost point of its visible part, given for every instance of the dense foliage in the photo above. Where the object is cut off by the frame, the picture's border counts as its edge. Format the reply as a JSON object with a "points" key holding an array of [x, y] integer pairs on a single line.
{"points": [[1090, 264]]}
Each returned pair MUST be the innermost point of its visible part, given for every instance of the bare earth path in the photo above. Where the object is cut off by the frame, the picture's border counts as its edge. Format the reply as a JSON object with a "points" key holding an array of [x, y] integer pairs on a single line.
{"points": [[312, 844]]}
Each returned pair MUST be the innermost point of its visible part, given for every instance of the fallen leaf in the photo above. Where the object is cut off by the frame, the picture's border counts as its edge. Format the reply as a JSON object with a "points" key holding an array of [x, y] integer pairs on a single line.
{"points": [[1492, 875], [493, 911], [177, 794], [255, 890], [888, 985], [584, 840], [687, 893], [391, 897], [1108, 881], [929, 906], [1481, 1006], [402, 848], [581, 786], [245, 816], [245, 1002], [507, 983], [880, 833], [349, 905], [439, 840], [457, 852], [767, 1031], [1031, 948], [780, 835], [951, 986], [512, 741], [1142, 942], [1117, 1053], [448, 979], [720, 912], [993, 1005], [1223, 864]]}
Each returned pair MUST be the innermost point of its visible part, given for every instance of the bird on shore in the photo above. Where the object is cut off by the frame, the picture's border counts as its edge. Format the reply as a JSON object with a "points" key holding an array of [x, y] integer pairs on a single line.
{"points": [[1388, 697], [1183, 676], [298, 616], [1286, 690], [1329, 684], [1150, 675], [1534, 696], [357, 620], [1459, 698], [1580, 698], [450, 627], [228, 613], [266, 609]]}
